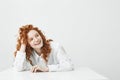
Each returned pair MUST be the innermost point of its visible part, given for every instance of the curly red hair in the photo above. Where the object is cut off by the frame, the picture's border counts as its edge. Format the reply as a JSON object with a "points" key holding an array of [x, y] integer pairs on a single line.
{"points": [[45, 50]]}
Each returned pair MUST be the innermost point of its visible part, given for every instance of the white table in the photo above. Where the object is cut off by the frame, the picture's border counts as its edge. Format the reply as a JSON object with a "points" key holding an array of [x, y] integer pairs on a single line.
{"points": [[81, 73]]}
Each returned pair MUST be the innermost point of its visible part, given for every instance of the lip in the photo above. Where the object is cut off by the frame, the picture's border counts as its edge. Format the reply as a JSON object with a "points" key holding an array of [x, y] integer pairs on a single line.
{"points": [[38, 43]]}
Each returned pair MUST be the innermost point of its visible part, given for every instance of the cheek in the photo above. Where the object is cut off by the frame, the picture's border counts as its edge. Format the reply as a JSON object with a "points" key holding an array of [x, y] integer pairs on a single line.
{"points": [[41, 42], [31, 44]]}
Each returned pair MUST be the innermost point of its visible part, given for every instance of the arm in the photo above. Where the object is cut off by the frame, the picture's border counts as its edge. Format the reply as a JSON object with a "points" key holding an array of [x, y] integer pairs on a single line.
{"points": [[64, 61], [20, 62]]}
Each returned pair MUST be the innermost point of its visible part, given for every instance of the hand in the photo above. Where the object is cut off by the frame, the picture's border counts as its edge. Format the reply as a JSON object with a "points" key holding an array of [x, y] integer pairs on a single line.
{"points": [[23, 46], [37, 68]]}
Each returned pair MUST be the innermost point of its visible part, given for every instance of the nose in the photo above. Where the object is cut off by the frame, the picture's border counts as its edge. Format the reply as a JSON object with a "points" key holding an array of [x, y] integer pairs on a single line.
{"points": [[35, 39]]}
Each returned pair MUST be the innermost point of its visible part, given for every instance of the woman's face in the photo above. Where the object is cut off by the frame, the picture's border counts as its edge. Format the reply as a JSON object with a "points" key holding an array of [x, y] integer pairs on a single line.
{"points": [[34, 39]]}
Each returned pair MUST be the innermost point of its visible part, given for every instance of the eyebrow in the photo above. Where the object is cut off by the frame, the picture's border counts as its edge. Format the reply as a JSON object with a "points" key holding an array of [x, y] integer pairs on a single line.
{"points": [[34, 35]]}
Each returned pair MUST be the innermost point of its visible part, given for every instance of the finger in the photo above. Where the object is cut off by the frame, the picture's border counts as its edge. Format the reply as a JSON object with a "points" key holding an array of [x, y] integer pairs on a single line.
{"points": [[36, 69], [32, 69], [21, 41]]}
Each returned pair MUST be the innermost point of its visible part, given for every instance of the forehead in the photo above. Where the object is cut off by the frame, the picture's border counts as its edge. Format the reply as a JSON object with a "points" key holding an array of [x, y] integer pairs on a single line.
{"points": [[32, 33]]}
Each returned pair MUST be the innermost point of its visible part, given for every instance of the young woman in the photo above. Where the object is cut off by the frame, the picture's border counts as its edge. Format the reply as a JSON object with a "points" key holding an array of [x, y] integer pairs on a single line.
{"points": [[37, 54]]}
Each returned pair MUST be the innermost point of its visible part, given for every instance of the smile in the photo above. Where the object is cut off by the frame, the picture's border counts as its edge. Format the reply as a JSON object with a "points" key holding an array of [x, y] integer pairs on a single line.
{"points": [[38, 43]]}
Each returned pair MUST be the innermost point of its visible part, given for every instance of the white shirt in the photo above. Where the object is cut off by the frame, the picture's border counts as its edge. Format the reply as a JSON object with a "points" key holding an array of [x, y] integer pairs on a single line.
{"points": [[58, 60]]}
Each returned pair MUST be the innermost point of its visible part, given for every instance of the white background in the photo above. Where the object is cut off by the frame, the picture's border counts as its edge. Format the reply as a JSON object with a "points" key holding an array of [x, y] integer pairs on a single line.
{"points": [[89, 30]]}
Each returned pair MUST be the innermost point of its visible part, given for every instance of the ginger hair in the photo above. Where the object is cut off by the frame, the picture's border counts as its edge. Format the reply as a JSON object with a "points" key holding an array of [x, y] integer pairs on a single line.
{"points": [[23, 31]]}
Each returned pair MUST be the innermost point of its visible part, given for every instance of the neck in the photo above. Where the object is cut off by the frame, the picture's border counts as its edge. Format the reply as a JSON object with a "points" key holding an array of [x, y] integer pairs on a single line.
{"points": [[38, 51]]}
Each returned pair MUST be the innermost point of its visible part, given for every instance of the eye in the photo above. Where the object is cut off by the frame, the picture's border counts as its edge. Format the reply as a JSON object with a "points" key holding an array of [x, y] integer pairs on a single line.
{"points": [[36, 35], [30, 39]]}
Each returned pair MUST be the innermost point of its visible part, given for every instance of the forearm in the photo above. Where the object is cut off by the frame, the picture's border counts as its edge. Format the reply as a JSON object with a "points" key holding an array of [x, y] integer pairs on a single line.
{"points": [[60, 67], [20, 61]]}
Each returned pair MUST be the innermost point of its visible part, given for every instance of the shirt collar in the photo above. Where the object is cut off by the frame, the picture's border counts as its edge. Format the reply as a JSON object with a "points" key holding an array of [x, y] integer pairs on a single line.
{"points": [[35, 54]]}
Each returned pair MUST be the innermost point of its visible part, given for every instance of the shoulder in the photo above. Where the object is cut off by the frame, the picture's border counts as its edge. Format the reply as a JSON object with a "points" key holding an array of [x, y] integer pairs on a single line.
{"points": [[55, 46]]}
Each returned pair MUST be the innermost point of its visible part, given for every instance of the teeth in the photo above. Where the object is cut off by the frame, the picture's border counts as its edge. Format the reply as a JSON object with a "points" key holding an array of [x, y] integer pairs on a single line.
{"points": [[37, 43]]}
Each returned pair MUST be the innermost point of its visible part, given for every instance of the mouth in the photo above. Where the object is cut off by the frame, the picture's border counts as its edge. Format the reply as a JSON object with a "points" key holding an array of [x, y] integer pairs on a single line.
{"points": [[37, 43]]}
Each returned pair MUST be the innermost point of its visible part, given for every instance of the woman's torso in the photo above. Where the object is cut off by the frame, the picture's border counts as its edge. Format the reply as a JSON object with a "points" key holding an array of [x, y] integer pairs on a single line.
{"points": [[52, 58]]}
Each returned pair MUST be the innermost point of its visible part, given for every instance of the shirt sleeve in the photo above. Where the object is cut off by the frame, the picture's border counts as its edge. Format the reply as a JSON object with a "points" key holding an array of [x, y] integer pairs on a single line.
{"points": [[20, 62], [64, 61]]}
